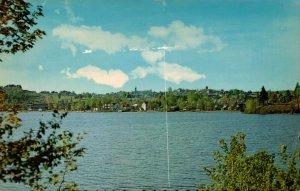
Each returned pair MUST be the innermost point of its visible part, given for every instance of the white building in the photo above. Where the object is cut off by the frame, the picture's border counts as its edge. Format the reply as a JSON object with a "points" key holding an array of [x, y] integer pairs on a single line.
{"points": [[144, 106]]}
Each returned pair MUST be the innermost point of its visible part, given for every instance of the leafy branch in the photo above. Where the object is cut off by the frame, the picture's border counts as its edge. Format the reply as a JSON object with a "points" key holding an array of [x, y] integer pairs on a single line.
{"points": [[38, 153], [17, 32]]}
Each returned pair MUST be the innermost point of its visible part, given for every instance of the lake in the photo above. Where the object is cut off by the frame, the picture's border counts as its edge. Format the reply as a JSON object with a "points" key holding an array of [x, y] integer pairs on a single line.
{"points": [[128, 150]]}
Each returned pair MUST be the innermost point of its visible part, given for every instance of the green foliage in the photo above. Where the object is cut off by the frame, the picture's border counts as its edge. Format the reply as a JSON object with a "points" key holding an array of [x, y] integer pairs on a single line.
{"points": [[234, 170], [38, 157], [171, 100], [208, 103], [15, 96], [192, 100], [16, 26], [181, 103], [251, 106]]}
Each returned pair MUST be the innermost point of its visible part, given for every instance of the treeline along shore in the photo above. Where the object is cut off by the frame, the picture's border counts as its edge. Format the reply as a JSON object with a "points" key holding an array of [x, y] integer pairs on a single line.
{"points": [[206, 99]]}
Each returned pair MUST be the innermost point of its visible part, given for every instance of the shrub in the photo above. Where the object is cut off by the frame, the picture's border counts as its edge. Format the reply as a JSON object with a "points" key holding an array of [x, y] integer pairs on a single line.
{"points": [[234, 170]]}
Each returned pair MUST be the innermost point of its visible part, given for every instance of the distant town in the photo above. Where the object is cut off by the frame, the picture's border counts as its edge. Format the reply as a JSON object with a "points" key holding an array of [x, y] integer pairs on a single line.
{"points": [[206, 99]]}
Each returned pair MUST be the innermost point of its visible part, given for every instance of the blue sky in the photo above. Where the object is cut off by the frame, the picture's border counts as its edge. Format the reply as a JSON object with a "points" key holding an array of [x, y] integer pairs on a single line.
{"points": [[106, 46]]}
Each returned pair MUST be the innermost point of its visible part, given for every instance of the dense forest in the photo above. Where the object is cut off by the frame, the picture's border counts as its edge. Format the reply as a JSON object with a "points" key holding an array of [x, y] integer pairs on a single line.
{"points": [[206, 99]]}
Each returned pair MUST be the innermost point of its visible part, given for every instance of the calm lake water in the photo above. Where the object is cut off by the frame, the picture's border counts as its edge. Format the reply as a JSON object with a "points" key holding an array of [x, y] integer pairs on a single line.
{"points": [[128, 150]]}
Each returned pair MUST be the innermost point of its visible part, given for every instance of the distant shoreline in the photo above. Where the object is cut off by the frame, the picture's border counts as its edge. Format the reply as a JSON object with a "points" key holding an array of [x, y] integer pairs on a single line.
{"points": [[215, 111]]}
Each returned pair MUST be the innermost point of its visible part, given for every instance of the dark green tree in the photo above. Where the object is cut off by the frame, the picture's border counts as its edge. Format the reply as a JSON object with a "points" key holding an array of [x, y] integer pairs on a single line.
{"points": [[2, 99], [263, 96], [297, 91], [287, 96], [297, 96], [17, 32]]}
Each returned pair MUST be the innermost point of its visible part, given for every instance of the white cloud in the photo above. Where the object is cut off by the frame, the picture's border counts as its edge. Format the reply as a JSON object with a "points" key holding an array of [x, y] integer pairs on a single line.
{"points": [[67, 45], [142, 72], [71, 16], [177, 73], [40, 67], [152, 56], [87, 52], [184, 37], [94, 38], [168, 71], [114, 78], [160, 32]]}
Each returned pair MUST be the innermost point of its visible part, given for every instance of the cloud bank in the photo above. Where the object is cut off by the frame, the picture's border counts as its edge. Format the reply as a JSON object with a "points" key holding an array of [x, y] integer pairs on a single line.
{"points": [[177, 35]]}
